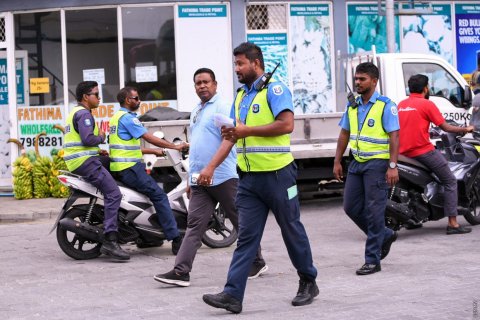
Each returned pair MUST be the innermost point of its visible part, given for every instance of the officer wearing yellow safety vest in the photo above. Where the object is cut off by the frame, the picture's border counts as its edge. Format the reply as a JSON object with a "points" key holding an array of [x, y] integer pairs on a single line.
{"points": [[371, 125], [264, 120], [82, 156], [126, 161]]}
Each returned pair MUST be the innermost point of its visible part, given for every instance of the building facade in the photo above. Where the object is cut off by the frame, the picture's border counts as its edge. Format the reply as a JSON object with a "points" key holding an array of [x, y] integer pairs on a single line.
{"points": [[48, 47]]}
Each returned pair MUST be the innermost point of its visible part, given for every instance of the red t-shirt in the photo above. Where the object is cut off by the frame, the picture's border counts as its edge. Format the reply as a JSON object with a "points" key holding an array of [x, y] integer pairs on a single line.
{"points": [[415, 114]]}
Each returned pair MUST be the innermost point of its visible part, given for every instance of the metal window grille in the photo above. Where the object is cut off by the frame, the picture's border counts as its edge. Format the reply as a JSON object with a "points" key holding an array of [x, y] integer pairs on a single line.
{"points": [[266, 17], [3, 37]]}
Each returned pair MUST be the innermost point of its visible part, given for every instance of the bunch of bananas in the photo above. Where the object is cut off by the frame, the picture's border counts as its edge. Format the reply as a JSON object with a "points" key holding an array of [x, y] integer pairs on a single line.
{"points": [[22, 178], [41, 173], [41, 177], [57, 189], [22, 174]]}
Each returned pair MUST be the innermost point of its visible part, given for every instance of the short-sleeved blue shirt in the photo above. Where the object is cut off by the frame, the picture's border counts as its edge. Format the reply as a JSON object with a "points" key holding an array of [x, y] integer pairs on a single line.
{"points": [[129, 126], [389, 119], [205, 139], [279, 99]]}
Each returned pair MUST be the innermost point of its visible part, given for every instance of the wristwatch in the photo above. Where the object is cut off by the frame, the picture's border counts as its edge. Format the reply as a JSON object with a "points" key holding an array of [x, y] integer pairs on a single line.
{"points": [[392, 165]]}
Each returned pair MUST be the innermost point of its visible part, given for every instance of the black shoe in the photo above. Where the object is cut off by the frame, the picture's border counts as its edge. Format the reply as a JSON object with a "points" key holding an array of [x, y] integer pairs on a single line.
{"points": [[153, 244], [223, 300], [387, 244], [368, 268], [307, 290], [113, 249], [176, 243], [171, 277], [458, 230], [257, 268]]}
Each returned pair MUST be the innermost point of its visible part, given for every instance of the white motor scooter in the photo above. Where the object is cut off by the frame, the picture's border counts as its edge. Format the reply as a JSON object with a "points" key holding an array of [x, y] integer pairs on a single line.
{"points": [[79, 226]]}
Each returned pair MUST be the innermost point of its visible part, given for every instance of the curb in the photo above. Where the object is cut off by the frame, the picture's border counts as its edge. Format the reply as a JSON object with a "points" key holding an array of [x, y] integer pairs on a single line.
{"points": [[27, 216]]}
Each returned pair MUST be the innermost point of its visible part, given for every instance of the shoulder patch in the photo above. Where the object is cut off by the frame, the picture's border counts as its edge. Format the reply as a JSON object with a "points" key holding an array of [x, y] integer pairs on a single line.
{"points": [[277, 89], [87, 122], [394, 110], [137, 122]]}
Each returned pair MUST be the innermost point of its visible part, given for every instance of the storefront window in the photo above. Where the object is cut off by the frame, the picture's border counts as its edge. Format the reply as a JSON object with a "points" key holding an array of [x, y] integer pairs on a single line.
{"points": [[149, 52], [37, 37], [92, 51]]}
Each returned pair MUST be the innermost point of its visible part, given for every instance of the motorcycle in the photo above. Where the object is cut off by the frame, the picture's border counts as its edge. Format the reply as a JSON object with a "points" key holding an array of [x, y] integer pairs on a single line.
{"points": [[418, 197], [79, 226]]}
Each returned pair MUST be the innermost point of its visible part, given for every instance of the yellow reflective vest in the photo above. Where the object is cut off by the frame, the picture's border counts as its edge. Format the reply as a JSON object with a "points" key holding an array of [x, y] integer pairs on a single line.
{"points": [[371, 141], [123, 153], [75, 153], [261, 154]]}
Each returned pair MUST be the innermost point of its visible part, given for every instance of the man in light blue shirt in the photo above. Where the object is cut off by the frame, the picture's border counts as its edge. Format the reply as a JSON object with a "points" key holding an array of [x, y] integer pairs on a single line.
{"points": [[213, 185]]}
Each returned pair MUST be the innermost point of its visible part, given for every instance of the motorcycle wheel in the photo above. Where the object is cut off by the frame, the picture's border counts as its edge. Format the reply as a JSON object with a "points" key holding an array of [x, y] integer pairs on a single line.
{"points": [[75, 246], [473, 215], [220, 232]]}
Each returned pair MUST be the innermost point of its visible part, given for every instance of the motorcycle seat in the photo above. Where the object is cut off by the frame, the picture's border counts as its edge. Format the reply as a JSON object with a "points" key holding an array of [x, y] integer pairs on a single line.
{"points": [[411, 161]]}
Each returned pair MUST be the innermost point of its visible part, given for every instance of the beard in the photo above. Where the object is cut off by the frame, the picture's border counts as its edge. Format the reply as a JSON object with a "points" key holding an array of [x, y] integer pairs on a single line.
{"points": [[136, 107], [427, 95]]}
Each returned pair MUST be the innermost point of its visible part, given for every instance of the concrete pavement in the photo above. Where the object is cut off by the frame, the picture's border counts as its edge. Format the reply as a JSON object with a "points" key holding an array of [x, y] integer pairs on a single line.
{"points": [[428, 275], [13, 210]]}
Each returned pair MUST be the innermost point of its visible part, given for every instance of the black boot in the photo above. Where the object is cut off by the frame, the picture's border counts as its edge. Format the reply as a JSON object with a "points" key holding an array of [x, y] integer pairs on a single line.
{"points": [[307, 290], [110, 247]]}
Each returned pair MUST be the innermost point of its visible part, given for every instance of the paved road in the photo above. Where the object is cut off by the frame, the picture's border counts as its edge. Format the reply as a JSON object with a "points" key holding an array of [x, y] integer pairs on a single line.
{"points": [[428, 275]]}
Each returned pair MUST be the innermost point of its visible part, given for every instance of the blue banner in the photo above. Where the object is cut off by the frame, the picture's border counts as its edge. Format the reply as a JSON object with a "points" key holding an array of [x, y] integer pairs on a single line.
{"points": [[309, 10], [200, 11], [20, 81], [467, 21]]}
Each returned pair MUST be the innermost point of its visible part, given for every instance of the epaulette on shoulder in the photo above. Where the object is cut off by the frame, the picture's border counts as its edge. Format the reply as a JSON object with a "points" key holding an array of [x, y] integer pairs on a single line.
{"points": [[384, 99]]}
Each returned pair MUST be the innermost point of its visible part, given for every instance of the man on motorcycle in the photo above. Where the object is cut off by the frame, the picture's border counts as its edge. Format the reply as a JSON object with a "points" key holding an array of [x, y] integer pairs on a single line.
{"points": [[126, 161], [415, 115], [84, 158]]}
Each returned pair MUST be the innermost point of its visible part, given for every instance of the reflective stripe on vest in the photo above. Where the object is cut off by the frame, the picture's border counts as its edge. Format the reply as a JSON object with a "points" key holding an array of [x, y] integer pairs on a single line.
{"points": [[123, 153], [75, 152], [372, 142], [259, 154]]}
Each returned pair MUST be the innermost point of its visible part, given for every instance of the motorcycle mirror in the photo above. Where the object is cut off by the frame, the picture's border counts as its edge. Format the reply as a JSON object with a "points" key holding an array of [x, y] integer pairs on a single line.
{"points": [[159, 134]]}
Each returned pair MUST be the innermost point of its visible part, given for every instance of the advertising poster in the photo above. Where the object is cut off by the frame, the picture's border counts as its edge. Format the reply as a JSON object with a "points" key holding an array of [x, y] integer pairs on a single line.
{"points": [[274, 49], [367, 28], [19, 69], [212, 49], [467, 22], [429, 33], [34, 120], [38, 119], [311, 56]]}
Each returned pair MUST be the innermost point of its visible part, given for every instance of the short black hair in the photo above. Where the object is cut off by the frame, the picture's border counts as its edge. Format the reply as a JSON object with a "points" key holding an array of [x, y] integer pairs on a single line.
{"points": [[204, 70], [417, 83], [84, 87], [368, 68], [251, 52], [123, 94]]}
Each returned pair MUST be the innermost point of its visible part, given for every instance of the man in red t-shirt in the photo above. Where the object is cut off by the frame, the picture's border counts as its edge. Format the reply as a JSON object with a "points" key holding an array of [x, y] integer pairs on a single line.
{"points": [[415, 114]]}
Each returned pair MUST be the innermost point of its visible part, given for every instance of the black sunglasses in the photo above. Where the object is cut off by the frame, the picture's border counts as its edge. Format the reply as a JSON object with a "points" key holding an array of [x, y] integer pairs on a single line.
{"points": [[134, 98], [96, 94]]}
